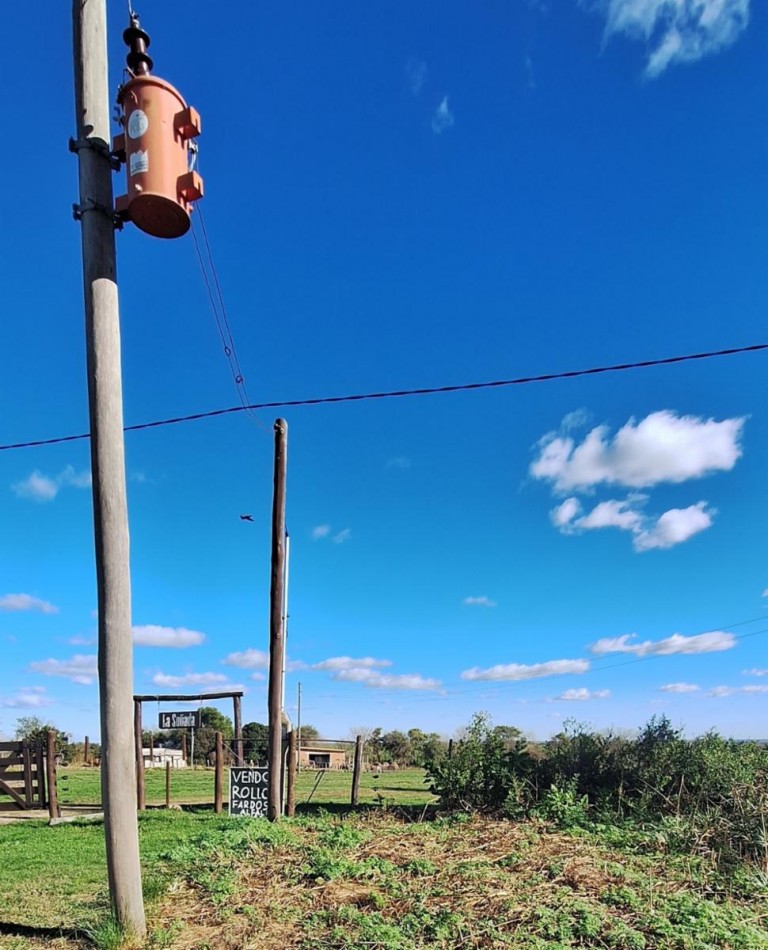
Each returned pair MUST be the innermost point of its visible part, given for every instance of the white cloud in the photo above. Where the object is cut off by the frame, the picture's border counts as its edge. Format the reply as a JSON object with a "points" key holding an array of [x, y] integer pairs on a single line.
{"points": [[443, 118], [613, 514], [480, 602], [679, 688], [39, 487], [178, 638], [248, 659], [320, 531], [79, 668], [28, 697], [755, 672], [26, 602], [562, 516], [765, 592], [189, 679], [522, 671], [676, 31], [663, 447], [79, 641], [342, 536], [415, 73], [375, 680], [674, 527], [713, 642], [583, 694], [721, 691], [337, 663], [401, 462], [575, 420]]}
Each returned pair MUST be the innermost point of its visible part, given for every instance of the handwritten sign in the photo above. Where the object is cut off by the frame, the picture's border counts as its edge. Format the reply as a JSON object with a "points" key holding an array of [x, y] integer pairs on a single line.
{"points": [[248, 791], [189, 719]]}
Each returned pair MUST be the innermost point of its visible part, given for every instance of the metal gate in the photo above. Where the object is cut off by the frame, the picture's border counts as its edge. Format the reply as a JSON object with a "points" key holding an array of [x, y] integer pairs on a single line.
{"points": [[22, 776]]}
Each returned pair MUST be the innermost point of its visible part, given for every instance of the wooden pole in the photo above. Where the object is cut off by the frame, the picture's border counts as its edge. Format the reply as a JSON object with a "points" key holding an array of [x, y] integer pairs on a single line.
{"points": [[53, 797], [141, 798], [26, 758], [151, 750], [237, 702], [298, 737], [357, 770], [110, 509], [40, 770], [184, 747], [87, 752], [276, 640], [218, 776], [167, 784], [290, 808]]}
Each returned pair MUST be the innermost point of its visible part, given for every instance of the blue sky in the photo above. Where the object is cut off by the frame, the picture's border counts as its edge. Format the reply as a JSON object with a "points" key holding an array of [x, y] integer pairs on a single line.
{"points": [[397, 196]]}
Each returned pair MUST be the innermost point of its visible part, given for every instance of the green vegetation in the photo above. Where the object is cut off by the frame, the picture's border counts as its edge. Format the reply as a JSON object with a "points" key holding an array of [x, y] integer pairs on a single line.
{"points": [[710, 794], [588, 840], [81, 786], [375, 880]]}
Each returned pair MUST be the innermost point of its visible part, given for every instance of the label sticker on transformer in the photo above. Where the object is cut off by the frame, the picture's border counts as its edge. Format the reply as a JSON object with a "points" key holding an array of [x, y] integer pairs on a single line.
{"points": [[138, 123], [139, 162]]}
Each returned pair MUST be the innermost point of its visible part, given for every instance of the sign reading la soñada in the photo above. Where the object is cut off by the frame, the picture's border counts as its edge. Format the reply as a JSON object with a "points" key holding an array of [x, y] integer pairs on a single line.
{"points": [[248, 791], [189, 719]]}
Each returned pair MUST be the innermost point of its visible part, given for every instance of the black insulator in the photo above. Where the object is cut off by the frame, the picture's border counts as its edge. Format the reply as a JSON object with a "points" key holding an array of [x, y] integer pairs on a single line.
{"points": [[137, 41]]}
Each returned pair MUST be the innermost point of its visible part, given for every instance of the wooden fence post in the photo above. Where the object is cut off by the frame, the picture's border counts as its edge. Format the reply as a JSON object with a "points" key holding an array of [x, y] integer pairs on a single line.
{"points": [[237, 703], [141, 796], [167, 784], [40, 771], [290, 807], [357, 770], [219, 774], [87, 752], [53, 798], [184, 755], [26, 764]]}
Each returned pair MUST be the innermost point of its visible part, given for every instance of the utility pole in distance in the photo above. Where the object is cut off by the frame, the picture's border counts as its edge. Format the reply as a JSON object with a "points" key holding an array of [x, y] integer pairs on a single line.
{"points": [[110, 509], [298, 739], [276, 630]]}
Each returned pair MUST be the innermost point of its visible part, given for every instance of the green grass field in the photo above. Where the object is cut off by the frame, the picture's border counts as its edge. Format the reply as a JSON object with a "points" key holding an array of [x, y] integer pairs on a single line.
{"points": [[80, 786], [373, 880]]}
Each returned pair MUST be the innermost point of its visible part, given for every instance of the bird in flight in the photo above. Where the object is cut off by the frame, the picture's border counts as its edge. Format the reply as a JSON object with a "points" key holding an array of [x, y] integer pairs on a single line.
{"points": [[246, 517]]}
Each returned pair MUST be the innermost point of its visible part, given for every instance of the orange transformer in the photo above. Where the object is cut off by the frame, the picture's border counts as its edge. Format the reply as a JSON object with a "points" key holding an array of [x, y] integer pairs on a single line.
{"points": [[156, 146]]}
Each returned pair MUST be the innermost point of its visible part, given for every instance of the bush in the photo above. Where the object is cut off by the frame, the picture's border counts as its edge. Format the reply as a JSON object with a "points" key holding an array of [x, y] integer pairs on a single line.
{"points": [[709, 793]]}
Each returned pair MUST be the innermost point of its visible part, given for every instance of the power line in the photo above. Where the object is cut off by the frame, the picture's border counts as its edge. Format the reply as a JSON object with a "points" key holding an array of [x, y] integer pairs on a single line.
{"points": [[402, 393], [219, 311]]}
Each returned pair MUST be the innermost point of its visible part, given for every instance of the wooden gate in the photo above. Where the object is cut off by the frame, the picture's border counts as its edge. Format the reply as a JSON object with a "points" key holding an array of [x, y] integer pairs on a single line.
{"points": [[22, 776]]}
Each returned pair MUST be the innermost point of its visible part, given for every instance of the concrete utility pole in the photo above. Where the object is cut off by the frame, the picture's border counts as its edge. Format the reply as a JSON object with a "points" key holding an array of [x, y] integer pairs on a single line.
{"points": [[105, 400], [276, 638]]}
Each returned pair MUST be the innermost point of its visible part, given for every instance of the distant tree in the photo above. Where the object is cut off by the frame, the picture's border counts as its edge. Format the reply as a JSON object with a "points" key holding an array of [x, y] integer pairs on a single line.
{"points": [[36, 730], [396, 746], [425, 747], [212, 722], [255, 742], [307, 732], [509, 735]]}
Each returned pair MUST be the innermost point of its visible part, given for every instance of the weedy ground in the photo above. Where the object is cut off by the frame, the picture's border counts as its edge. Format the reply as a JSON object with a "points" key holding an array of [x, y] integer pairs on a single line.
{"points": [[379, 880]]}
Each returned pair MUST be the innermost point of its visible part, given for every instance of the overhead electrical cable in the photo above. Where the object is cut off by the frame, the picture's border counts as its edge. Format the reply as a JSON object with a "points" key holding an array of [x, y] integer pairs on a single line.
{"points": [[219, 311], [402, 393]]}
